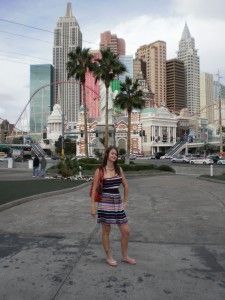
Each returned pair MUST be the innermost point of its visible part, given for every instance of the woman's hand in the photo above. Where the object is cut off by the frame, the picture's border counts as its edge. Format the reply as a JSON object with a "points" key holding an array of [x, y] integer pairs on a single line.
{"points": [[93, 210], [125, 204]]}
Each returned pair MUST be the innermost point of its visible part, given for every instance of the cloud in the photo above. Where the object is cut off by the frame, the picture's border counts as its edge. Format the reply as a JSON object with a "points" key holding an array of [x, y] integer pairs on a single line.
{"points": [[213, 9]]}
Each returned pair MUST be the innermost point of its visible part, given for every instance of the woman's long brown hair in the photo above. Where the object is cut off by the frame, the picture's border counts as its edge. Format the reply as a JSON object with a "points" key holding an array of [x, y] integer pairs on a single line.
{"points": [[104, 163]]}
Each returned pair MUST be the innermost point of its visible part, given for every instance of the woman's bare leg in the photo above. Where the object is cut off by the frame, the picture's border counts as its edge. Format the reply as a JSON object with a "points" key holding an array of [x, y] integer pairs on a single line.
{"points": [[125, 233], [106, 243]]}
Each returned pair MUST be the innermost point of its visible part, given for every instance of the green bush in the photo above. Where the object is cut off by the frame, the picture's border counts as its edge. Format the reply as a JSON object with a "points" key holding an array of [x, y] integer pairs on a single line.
{"points": [[165, 168], [89, 166], [68, 167], [136, 167], [88, 160]]}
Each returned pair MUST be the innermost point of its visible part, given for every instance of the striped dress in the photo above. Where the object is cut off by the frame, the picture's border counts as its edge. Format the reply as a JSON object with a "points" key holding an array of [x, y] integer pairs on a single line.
{"points": [[110, 208]]}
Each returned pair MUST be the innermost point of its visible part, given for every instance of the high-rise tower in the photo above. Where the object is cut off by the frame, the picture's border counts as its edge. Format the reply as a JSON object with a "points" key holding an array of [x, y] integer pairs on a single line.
{"points": [[67, 36], [41, 104], [188, 54], [175, 85], [111, 41], [206, 96], [154, 55]]}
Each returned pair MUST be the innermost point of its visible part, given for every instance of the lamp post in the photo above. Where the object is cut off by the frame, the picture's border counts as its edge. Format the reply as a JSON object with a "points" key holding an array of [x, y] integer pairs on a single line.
{"points": [[220, 115]]}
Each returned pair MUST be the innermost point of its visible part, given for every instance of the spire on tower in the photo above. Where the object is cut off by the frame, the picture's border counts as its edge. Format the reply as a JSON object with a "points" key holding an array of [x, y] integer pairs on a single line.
{"points": [[69, 10], [186, 33]]}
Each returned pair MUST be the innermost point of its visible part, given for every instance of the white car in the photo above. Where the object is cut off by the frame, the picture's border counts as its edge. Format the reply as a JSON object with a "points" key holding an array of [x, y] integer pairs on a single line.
{"points": [[201, 161], [180, 159], [166, 157], [221, 161]]}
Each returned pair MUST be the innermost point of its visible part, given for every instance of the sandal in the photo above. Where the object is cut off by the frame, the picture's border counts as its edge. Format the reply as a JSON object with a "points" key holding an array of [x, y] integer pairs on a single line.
{"points": [[111, 262], [130, 261]]}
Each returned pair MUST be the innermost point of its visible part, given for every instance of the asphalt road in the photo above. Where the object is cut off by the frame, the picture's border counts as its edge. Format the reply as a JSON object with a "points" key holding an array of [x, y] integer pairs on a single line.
{"points": [[50, 248]]}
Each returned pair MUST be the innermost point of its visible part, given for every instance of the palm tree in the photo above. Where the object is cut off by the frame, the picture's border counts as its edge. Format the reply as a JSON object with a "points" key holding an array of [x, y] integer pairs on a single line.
{"points": [[106, 69], [80, 61], [129, 98]]}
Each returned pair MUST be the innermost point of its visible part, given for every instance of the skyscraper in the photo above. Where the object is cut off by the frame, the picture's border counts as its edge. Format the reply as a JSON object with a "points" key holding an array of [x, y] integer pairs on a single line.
{"points": [[111, 41], [42, 101], [188, 54], [206, 96], [92, 90], [154, 55], [127, 61], [175, 84], [67, 36]]}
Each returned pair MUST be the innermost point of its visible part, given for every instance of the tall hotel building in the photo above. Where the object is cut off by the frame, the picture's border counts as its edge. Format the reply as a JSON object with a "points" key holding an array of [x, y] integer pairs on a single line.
{"points": [[206, 97], [92, 90], [127, 61], [42, 101], [111, 41], [67, 36], [175, 85], [154, 55], [188, 54]]}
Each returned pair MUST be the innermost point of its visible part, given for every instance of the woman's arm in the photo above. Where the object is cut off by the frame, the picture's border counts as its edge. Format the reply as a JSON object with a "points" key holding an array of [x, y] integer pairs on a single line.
{"points": [[94, 187], [125, 186]]}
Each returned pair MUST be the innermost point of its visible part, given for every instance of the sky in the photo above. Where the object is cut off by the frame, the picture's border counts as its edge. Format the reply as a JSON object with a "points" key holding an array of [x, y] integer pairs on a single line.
{"points": [[138, 22]]}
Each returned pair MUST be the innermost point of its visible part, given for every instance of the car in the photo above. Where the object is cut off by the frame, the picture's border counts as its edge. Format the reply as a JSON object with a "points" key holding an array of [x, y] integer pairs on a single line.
{"points": [[180, 159], [133, 157], [166, 157], [158, 155], [55, 157], [150, 157], [201, 161], [214, 157], [221, 161]]}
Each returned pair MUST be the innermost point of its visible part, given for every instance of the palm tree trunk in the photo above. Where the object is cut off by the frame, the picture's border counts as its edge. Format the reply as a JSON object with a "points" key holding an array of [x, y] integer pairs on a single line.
{"points": [[85, 121], [106, 118], [128, 134]]}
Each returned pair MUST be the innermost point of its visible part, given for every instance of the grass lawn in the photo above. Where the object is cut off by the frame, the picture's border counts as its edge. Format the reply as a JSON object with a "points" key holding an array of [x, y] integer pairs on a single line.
{"points": [[12, 190], [220, 177]]}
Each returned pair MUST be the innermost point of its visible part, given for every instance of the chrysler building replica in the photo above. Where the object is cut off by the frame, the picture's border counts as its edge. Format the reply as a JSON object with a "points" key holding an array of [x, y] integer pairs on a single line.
{"points": [[188, 54]]}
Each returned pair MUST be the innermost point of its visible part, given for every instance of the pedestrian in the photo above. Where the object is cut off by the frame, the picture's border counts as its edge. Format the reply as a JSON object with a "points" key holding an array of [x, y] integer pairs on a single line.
{"points": [[110, 208], [36, 166], [43, 166]]}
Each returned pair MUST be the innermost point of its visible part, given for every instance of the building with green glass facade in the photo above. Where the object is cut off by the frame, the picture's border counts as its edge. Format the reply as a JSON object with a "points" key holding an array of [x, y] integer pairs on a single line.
{"points": [[42, 102]]}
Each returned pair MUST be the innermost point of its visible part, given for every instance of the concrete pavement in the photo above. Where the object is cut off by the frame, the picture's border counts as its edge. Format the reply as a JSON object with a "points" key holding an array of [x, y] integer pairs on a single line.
{"points": [[50, 248]]}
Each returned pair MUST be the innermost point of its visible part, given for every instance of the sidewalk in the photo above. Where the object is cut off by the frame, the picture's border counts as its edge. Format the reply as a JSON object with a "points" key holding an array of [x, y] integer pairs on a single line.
{"points": [[50, 248]]}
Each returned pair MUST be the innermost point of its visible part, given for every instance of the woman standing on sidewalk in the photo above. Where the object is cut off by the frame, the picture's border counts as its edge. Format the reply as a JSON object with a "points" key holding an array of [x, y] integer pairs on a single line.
{"points": [[110, 209]]}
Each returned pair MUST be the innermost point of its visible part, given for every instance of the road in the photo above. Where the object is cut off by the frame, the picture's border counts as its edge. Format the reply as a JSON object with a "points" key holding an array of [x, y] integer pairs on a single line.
{"points": [[184, 168], [50, 248]]}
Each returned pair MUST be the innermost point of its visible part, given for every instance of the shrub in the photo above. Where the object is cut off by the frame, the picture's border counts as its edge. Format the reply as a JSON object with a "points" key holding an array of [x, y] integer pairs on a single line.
{"points": [[68, 167], [134, 167], [88, 160], [165, 168]]}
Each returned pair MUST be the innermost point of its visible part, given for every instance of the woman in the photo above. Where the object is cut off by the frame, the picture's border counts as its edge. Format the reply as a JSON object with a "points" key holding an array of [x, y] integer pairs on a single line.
{"points": [[111, 207]]}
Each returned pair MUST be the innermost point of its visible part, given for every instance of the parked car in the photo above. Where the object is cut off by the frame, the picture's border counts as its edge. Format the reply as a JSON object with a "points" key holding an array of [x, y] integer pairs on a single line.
{"points": [[180, 159], [133, 157], [201, 161], [214, 157], [150, 157], [158, 155], [166, 157], [221, 161]]}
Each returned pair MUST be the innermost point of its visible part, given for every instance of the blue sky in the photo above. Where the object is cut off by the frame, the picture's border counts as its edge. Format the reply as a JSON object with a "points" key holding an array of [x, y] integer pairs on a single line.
{"points": [[138, 22]]}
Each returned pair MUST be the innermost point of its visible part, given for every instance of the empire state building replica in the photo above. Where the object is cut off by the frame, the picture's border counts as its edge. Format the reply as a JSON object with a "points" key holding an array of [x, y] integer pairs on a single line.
{"points": [[67, 36]]}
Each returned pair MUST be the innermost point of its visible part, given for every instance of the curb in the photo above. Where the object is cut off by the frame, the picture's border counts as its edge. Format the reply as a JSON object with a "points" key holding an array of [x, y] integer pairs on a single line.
{"points": [[40, 196], [63, 191], [211, 179]]}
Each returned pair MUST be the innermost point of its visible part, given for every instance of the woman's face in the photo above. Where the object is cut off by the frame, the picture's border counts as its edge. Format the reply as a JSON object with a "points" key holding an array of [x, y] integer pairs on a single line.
{"points": [[112, 155]]}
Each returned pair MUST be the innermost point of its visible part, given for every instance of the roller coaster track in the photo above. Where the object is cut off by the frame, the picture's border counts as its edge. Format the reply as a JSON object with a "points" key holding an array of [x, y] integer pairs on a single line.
{"points": [[55, 83]]}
